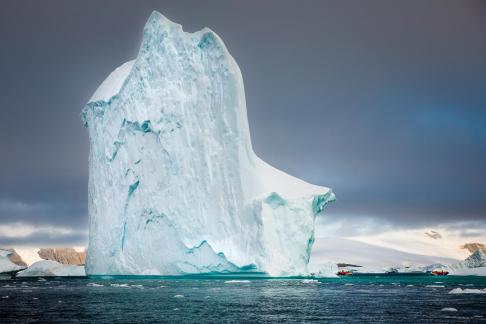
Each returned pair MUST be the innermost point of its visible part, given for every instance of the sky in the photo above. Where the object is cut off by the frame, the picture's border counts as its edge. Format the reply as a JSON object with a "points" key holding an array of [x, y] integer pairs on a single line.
{"points": [[383, 101]]}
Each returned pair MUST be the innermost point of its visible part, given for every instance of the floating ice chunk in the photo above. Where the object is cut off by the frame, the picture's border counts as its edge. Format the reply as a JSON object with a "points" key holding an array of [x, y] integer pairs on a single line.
{"points": [[236, 281], [467, 291]]}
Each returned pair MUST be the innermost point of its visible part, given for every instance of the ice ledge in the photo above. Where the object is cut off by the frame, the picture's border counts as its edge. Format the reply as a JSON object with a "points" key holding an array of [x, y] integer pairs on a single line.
{"points": [[113, 83]]}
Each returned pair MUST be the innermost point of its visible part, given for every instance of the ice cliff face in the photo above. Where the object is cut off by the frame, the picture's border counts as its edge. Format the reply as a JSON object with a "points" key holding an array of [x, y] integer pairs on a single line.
{"points": [[175, 186]]}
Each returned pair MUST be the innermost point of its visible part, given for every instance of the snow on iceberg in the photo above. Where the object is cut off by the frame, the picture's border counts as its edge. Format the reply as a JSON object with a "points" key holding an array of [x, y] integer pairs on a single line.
{"points": [[48, 268], [174, 185]]}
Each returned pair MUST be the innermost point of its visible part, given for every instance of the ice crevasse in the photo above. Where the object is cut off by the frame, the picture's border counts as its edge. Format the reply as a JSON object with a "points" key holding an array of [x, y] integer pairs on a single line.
{"points": [[174, 185]]}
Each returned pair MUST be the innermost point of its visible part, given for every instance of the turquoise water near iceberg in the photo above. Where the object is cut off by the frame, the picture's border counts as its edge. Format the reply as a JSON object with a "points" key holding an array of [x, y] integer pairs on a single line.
{"points": [[376, 299]]}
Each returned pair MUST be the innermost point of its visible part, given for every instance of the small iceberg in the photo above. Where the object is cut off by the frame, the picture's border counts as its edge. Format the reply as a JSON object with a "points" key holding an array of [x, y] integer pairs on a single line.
{"points": [[48, 268]]}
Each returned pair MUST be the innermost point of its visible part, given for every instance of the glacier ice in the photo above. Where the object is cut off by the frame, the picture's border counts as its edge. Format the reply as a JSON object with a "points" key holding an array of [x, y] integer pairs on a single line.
{"points": [[174, 185]]}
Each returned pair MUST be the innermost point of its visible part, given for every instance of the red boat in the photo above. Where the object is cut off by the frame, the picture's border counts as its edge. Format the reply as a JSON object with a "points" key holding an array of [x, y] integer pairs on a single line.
{"points": [[344, 273], [440, 272]]}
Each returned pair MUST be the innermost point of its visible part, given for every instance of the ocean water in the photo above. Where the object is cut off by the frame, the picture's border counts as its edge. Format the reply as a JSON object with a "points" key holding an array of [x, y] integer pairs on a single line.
{"points": [[372, 299]]}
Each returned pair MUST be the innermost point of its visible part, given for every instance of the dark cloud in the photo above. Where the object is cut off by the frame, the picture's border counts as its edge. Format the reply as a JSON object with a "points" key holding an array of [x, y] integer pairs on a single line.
{"points": [[384, 102], [46, 239]]}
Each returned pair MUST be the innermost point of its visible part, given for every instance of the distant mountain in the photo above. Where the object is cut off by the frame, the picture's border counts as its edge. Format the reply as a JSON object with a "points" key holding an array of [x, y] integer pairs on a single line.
{"points": [[63, 255], [476, 260], [475, 264], [372, 258], [473, 247]]}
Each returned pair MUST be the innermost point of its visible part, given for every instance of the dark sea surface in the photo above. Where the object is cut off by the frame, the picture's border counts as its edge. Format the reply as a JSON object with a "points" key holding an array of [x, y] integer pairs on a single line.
{"points": [[367, 299]]}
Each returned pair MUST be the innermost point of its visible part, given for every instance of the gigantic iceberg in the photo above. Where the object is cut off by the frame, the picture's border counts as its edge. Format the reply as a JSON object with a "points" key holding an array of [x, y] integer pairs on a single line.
{"points": [[174, 185]]}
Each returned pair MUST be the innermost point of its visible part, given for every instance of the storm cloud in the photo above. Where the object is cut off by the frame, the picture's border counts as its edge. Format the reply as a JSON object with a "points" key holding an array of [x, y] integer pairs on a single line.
{"points": [[383, 101]]}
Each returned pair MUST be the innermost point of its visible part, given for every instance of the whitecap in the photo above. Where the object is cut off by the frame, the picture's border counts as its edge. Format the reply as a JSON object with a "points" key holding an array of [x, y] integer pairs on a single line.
{"points": [[448, 309], [179, 296], [435, 286], [92, 284], [349, 284], [120, 285]]}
